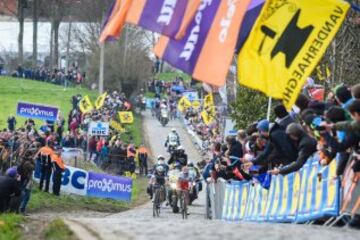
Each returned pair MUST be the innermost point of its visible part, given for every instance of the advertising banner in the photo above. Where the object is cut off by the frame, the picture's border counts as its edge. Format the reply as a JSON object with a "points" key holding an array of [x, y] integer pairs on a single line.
{"points": [[107, 186], [80, 182], [36, 111], [99, 129], [74, 180], [191, 95], [309, 194]]}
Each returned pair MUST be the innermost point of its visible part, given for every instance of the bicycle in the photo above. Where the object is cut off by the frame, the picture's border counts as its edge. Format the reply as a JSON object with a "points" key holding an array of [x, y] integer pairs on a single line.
{"points": [[158, 199], [184, 198]]}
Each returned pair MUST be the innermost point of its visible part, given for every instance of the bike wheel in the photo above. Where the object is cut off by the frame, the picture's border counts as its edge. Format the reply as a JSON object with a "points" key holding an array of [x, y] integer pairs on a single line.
{"points": [[157, 202], [185, 207], [182, 205], [154, 209]]}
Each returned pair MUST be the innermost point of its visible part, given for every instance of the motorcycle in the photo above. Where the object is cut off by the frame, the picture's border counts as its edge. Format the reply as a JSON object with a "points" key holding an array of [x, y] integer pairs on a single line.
{"points": [[164, 117], [172, 147], [143, 104], [196, 187], [172, 190]]}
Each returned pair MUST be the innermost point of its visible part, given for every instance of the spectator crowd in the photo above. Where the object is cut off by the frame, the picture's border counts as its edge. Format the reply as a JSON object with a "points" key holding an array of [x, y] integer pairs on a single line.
{"points": [[56, 76], [330, 128], [28, 146]]}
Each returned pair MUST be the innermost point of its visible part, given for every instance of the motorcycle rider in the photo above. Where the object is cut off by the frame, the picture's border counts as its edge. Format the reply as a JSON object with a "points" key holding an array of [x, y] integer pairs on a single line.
{"points": [[164, 113], [196, 176], [163, 105], [172, 195], [179, 156], [172, 140]]}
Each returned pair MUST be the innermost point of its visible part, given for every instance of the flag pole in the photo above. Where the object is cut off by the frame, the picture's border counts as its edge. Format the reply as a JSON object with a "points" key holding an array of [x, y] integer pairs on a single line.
{"points": [[101, 70], [269, 109]]}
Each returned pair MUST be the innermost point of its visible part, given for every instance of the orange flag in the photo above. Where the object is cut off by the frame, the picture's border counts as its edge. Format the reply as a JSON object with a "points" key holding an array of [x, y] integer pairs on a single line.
{"points": [[116, 20]]}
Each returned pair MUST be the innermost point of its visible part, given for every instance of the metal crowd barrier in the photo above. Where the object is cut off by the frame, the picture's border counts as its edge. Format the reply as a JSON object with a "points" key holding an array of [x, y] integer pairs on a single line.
{"points": [[308, 195]]}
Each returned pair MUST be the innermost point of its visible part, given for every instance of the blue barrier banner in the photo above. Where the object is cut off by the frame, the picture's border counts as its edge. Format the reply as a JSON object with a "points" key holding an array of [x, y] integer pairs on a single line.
{"points": [[295, 193], [80, 182], [311, 193], [303, 195], [74, 180], [249, 213], [270, 202], [331, 197], [260, 202], [228, 189], [320, 197], [244, 199], [107, 186], [36, 111], [277, 199], [235, 201], [263, 203], [286, 198]]}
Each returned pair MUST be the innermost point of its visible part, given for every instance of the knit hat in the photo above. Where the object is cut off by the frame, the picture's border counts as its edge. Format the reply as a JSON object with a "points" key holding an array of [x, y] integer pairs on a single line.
{"points": [[11, 172], [343, 94], [263, 125]]}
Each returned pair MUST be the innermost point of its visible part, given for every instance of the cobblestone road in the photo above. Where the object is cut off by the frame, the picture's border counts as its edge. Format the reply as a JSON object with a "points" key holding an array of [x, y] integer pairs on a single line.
{"points": [[139, 223]]}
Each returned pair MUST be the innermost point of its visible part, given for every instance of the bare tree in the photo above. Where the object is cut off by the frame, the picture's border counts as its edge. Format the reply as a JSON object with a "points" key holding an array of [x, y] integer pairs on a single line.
{"points": [[19, 13], [343, 55], [57, 10], [35, 18]]}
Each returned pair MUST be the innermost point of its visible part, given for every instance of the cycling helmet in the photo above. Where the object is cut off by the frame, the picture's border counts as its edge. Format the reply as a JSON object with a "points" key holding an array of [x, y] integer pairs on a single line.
{"points": [[160, 157], [180, 148], [160, 162], [173, 130], [160, 169], [177, 165]]}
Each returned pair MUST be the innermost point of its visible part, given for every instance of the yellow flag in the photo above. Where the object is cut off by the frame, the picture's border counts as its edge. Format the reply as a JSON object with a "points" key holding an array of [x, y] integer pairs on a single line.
{"points": [[328, 72], [211, 111], [196, 104], [184, 104], [287, 42], [100, 101], [319, 73], [85, 105], [126, 117], [209, 100], [206, 117], [117, 126]]}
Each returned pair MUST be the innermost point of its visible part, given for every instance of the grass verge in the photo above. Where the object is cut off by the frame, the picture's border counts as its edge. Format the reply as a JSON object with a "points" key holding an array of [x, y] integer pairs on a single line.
{"points": [[43, 202], [13, 90], [10, 226], [57, 230], [170, 76]]}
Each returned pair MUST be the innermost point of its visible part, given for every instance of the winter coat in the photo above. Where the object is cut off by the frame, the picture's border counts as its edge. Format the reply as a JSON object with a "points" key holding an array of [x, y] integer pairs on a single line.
{"points": [[279, 141], [306, 147]]}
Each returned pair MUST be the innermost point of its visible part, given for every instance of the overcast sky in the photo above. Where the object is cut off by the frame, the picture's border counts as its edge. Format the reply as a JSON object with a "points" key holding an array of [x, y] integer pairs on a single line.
{"points": [[9, 33]]}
